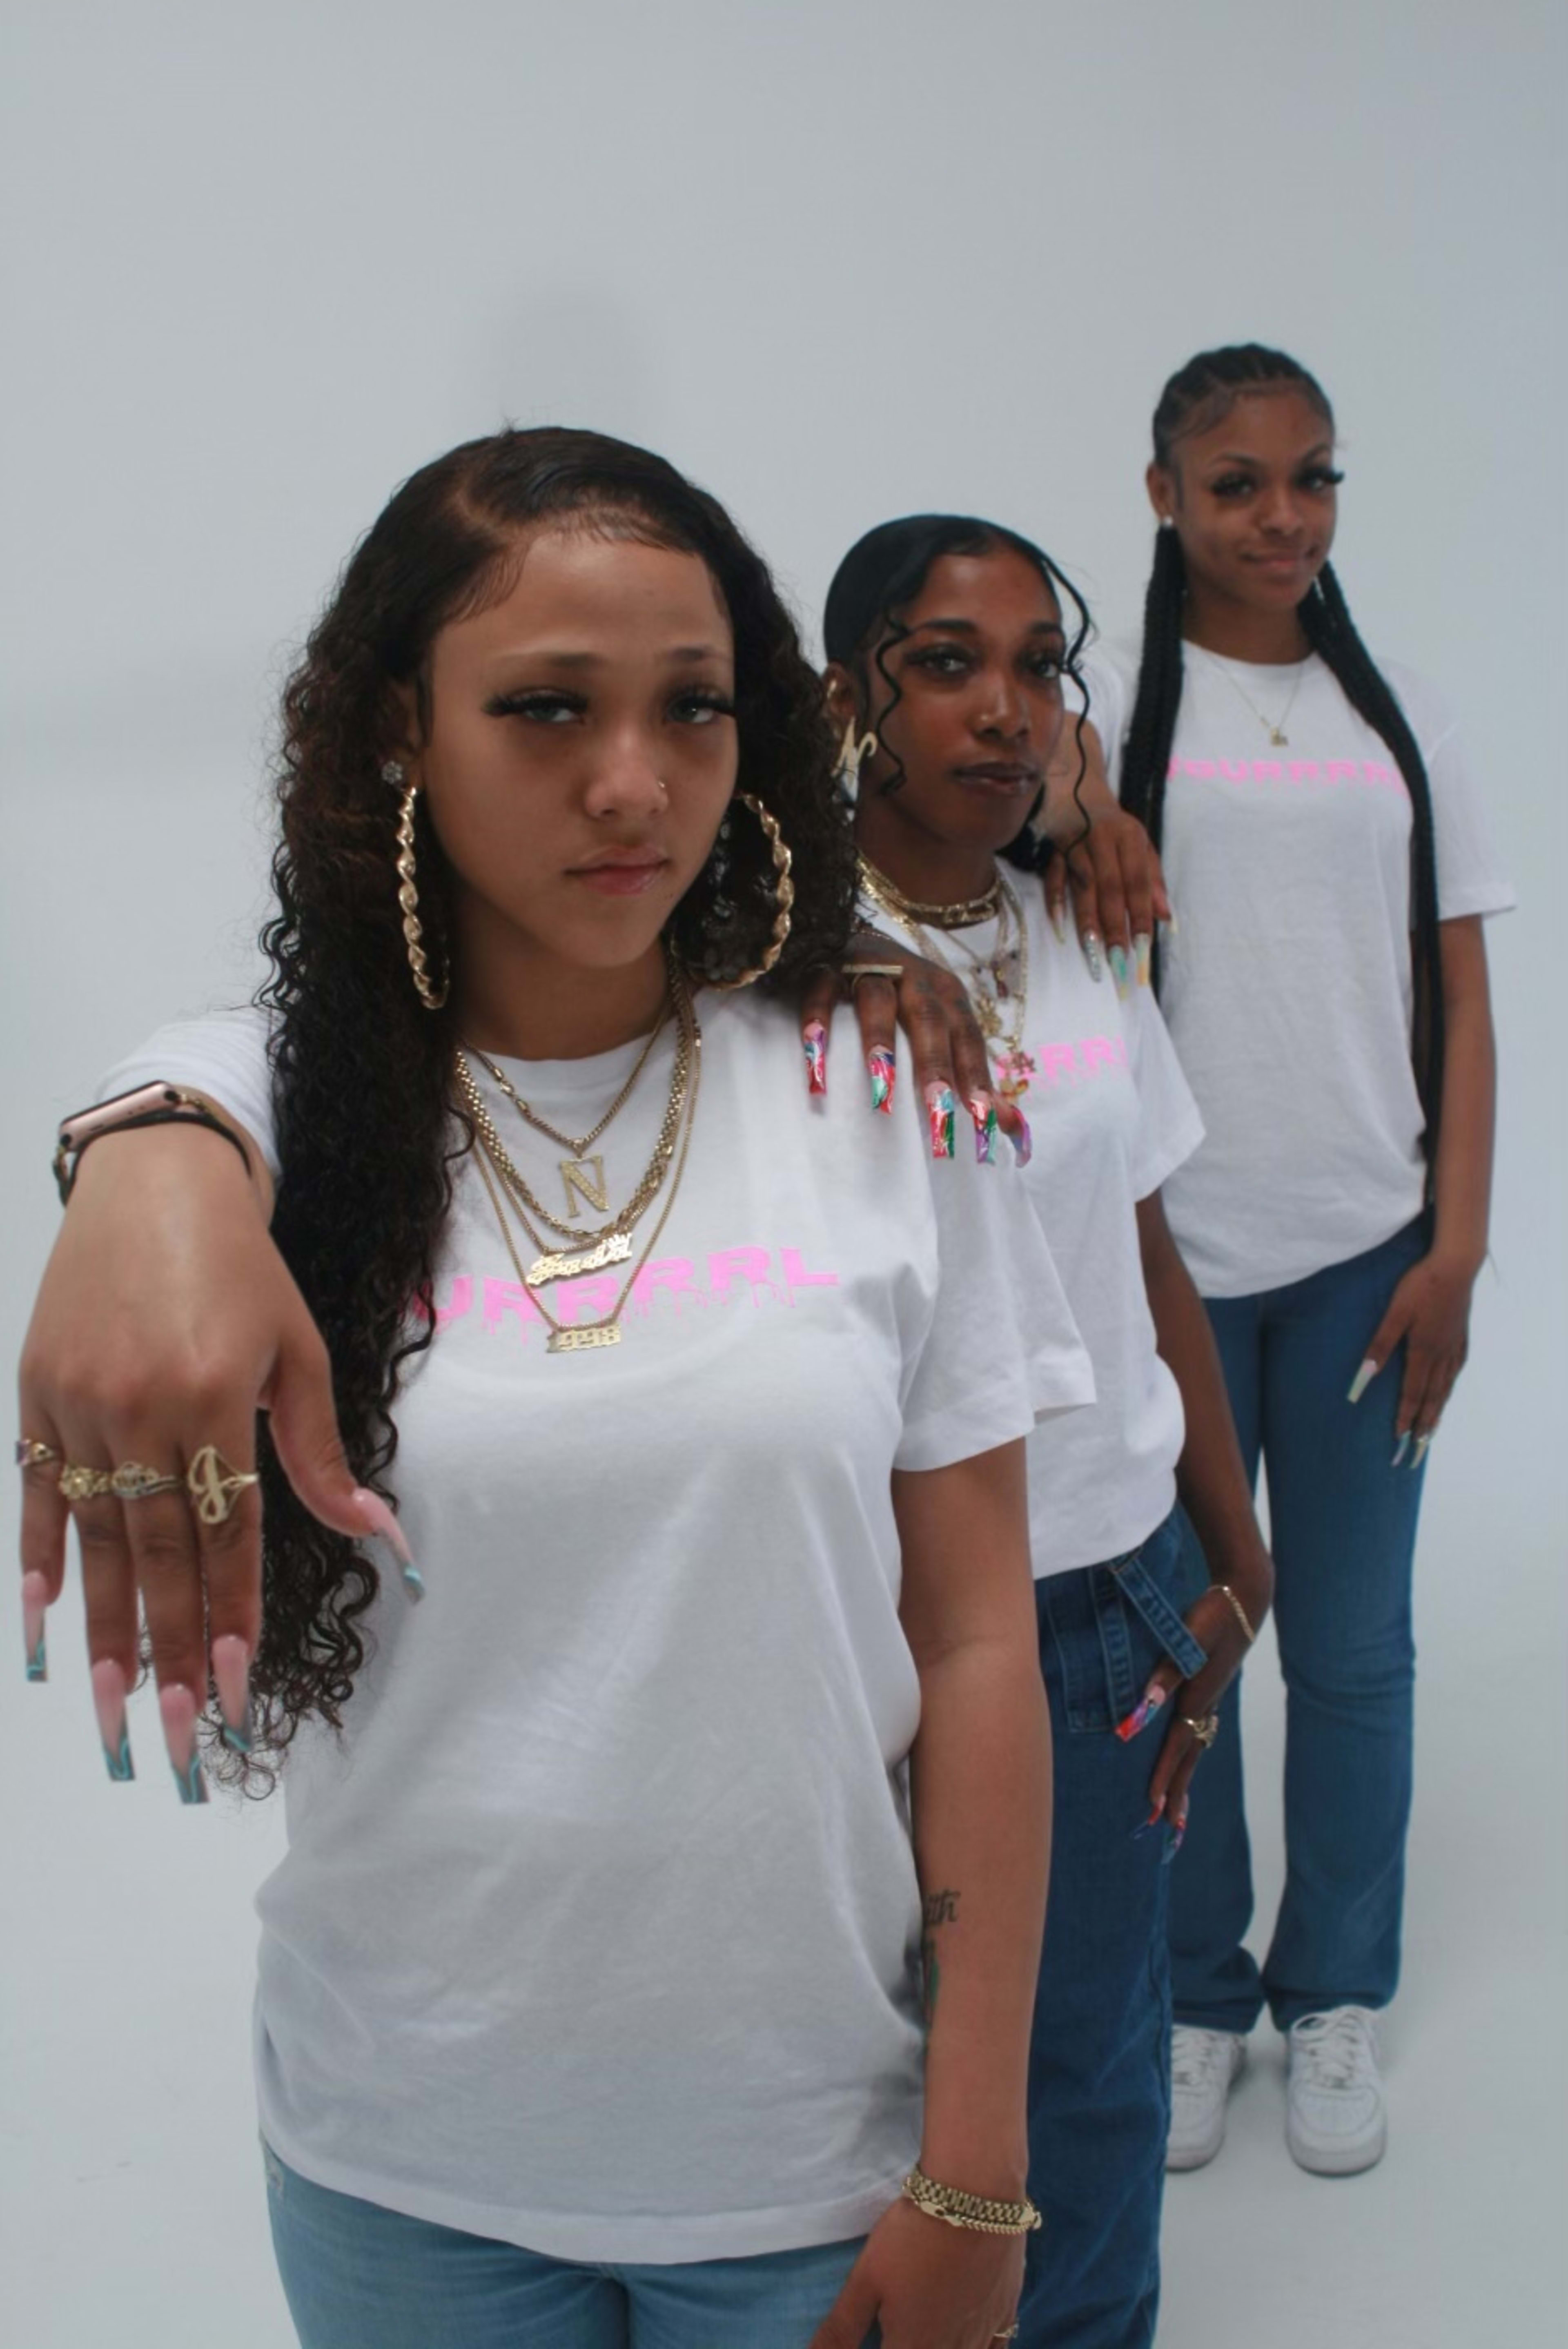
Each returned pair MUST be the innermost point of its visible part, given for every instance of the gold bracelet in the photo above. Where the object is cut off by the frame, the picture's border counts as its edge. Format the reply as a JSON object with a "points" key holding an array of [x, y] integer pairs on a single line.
{"points": [[982, 2214], [1226, 1592]]}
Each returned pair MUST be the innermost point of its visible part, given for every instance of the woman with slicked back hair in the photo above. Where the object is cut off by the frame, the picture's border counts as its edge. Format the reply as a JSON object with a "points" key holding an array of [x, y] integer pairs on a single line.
{"points": [[1326, 989]]}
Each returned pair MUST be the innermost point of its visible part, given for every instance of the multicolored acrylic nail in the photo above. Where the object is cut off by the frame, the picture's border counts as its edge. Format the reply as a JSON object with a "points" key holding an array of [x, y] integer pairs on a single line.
{"points": [[177, 1707], [815, 1041], [983, 1110], [1400, 1448], [1023, 1141], [1154, 1819], [1178, 1837], [1423, 1446], [1143, 955], [1362, 1381], [884, 1076], [1121, 968], [1142, 1713], [34, 1640], [381, 1521], [1091, 955], [1060, 920], [940, 1110], [108, 1704], [231, 1672]]}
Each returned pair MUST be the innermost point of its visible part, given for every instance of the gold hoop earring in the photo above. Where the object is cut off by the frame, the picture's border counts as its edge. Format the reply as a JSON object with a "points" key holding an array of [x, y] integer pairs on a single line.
{"points": [[783, 896], [431, 996], [853, 752]]}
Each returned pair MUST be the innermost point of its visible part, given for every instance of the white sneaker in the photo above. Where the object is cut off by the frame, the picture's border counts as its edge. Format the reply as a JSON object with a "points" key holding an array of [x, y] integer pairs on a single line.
{"points": [[1336, 2123], [1204, 2067]]}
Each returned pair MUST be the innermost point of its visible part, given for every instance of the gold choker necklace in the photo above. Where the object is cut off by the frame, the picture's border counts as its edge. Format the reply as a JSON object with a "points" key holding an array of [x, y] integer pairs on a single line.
{"points": [[967, 915]]}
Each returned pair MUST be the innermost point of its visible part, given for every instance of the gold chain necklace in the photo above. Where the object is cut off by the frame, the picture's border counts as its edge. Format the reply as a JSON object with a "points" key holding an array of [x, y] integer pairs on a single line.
{"points": [[579, 1147], [1001, 976], [595, 1190], [574, 1338], [1273, 728], [967, 914]]}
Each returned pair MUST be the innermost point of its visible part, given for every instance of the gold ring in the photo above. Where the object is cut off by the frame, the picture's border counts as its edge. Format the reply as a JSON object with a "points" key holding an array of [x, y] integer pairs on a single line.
{"points": [[31, 1453], [1204, 1726], [214, 1486], [79, 1483], [1010, 2334], [131, 1482], [855, 971]]}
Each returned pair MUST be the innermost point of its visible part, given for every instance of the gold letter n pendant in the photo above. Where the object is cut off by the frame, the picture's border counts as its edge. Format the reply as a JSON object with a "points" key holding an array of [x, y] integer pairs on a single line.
{"points": [[575, 1173]]}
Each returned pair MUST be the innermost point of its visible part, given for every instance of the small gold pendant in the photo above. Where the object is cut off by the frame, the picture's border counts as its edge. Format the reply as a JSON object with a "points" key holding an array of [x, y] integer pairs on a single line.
{"points": [[575, 1175], [614, 1249], [987, 1017], [1281, 741], [588, 1333]]}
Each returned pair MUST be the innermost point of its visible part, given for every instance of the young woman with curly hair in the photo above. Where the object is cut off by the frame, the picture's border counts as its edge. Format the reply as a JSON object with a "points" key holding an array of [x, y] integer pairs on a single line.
{"points": [[592, 2004], [1326, 990], [949, 645]]}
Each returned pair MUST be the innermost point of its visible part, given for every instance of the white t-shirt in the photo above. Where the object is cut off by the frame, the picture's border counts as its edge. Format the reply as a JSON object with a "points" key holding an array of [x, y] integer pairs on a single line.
{"points": [[1287, 986], [598, 1930], [1111, 1118]]}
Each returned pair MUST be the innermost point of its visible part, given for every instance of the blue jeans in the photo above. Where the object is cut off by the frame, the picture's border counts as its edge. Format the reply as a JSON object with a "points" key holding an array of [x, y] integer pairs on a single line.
{"points": [[1343, 1539], [1099, 2060], [358, 2276]]}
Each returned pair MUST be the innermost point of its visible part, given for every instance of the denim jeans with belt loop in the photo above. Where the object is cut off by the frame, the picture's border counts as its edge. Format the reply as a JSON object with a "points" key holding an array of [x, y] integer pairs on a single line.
{"points": [[1099, 2061]]}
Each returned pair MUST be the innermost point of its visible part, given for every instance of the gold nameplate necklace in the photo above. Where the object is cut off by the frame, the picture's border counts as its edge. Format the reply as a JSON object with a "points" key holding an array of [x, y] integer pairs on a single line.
{"points": [[999, 983], [583, 1337]]}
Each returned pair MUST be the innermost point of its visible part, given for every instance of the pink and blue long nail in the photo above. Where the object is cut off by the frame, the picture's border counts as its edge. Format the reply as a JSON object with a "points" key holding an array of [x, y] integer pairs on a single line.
{"points": [[35, 1638], [1142, 1713], [884, 1076], [983, 1110], [1023, 1141], [177, 1707], [815, 1039], [232, 1672], [941, 1110], [108, 1704]]}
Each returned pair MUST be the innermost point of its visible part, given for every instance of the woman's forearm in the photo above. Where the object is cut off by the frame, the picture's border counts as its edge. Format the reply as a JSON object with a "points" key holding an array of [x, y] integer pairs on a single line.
{"points": [[981, 1789], [1210, 1476], [1462, 1175]]}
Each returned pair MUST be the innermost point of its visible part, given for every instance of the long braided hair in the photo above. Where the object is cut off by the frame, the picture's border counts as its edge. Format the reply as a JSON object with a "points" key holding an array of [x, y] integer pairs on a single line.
{"points": [[1199, 395]]}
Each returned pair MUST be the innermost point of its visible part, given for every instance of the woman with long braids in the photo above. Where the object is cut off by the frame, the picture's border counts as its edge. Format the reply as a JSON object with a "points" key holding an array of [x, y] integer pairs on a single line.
{"points": [[947, 651], [599, 1989], [1327, 991]]}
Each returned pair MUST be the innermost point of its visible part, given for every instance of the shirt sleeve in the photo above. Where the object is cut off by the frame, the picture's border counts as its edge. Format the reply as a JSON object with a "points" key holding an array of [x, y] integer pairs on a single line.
{"points": [[223, 1054], [1170, 1127], [1002, 1349], [1470, 878]]}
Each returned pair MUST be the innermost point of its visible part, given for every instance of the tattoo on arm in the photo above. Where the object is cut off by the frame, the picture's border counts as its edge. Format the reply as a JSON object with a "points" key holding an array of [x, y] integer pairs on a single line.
{"points": [[939, 1909]]}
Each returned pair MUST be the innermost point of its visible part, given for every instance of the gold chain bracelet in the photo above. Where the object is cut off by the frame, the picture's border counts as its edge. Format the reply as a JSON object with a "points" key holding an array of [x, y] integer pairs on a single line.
{"points": [[982, 2214], [1240, 1613]]}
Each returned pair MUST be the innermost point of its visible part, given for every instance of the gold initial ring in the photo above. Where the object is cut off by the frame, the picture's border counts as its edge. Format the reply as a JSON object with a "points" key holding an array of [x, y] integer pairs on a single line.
{"points": [[214, 1486], [1204, 1726]]}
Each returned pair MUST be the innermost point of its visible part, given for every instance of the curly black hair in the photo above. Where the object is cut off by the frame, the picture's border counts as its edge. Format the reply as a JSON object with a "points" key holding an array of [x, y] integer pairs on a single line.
{"points": [[368, 1136], [880, 576]]}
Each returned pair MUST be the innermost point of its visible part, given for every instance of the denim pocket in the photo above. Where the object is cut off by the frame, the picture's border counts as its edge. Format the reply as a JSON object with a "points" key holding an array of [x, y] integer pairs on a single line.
{"points": [[1105, 1628]]}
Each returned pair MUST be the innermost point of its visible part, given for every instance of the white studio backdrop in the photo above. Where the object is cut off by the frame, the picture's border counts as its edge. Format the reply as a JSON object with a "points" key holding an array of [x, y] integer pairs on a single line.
{"points": [[840, 262]]}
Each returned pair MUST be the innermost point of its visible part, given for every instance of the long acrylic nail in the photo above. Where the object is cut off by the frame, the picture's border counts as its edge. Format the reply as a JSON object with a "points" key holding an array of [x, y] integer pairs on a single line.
{"points": [[1178, 1837], [1423, 1444], [1091, 955], [1154, 1819], [884, 1076], [1143, 955], [108, 1704], [983, 1110], [940, 1110], [1172, 923], [1120, 969], [815, 1039], [34, 1640], [382, 1521], [1142, 1713], [1400, 1448], [231, 1671], [1023, 1141], [1060, 921], [177, 1707], [1363, 1380]]}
